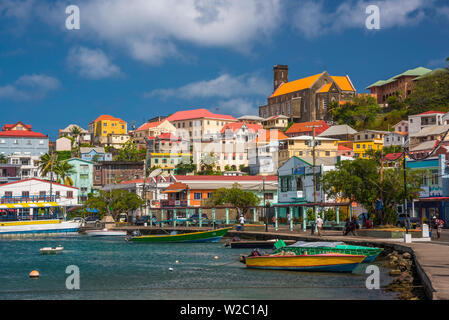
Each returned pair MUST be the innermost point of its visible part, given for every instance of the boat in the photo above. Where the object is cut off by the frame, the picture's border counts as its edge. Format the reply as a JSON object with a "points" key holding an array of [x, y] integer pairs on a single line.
{"points": [[106, 233], [312, 248], [259, 244], [331, 262], [50, 250], [202, 236]]}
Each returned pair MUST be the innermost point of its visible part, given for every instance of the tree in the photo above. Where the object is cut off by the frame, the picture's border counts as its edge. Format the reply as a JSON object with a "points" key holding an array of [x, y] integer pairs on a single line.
{"points": [[130, 152], [359, 181], [48, 163], [63, 171], [359, 113], [430, 93], [184, 168], [3, 158], [208, 164], [114, 202], [75, 132], [235, 196]]}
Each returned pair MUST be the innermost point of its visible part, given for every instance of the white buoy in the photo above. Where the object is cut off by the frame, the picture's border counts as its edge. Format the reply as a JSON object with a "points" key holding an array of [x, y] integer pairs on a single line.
{"points": [[216, 257], [170, 269], [176, 261]]}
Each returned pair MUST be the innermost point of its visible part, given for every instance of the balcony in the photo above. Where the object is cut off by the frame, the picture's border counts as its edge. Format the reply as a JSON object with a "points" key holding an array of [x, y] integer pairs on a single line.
{"points": [[173, 203], [22, 199]]}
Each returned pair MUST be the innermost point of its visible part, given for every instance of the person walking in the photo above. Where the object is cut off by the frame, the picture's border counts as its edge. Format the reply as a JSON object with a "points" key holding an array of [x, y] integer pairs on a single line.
{"points": [[319, 223], [242, 221]]}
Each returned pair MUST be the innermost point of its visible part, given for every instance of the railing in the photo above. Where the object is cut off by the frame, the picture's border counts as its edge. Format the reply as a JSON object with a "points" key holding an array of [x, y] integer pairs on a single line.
{"points": [[22, 199], [14, 217]]}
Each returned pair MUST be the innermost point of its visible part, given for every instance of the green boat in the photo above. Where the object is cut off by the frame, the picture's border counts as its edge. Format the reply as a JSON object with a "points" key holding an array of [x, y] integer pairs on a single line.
{"points": [[202, 236], [371, 253]]}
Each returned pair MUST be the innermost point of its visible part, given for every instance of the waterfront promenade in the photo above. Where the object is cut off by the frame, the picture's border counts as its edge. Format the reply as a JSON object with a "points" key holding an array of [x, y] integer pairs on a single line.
{"points": [[431, 258]]}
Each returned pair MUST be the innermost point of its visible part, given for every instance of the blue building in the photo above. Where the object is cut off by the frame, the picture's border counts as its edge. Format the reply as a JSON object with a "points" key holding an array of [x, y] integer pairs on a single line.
{"points": [[96, 154], [434, 196], [82, 177], [19, 139]]}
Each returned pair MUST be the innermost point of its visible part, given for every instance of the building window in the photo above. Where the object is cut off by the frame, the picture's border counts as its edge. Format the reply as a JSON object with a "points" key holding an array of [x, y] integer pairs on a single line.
{"points": [[69, 194], [198, 196]]}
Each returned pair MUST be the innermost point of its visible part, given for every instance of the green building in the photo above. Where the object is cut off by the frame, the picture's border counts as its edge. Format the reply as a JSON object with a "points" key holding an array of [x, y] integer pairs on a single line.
{"points": [[83, 177]]}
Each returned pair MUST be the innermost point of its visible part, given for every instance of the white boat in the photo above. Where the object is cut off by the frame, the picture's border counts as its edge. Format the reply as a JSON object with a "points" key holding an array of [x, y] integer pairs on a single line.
{"points": [[38, 227], [50, 250], [105, 233]]}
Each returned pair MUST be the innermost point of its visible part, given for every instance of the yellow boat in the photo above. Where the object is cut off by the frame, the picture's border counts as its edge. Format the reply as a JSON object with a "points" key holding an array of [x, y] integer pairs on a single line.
{"points": [[319, 262]]}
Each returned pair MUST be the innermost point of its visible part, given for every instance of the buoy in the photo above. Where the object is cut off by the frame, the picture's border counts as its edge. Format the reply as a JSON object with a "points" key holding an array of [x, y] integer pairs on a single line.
{"points": [[216, 257], [170, 269], [34, 274], [176, 261]]}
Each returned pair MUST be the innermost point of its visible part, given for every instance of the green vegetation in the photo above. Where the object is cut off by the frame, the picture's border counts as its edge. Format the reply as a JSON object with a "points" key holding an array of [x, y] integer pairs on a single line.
{"points": [[360, 113], [50, 163], [129, 152], [114, 202], [3, 159], [184, 168], [234, 196], [360, 181]]}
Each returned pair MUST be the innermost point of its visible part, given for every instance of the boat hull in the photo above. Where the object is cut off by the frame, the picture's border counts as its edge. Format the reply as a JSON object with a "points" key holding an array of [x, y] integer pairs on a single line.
{"points": [[256, 244], [316, 263], [204, 236], [38, 227], [106, 233]]}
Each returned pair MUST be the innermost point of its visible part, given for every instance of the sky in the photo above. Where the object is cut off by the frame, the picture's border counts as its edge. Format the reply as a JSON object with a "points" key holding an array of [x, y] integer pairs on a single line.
{"points": [[137, 59]]}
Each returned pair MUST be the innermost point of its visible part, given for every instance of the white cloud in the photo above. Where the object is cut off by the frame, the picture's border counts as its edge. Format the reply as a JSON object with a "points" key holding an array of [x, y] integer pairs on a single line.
{"points": [[29, 87], [312, 18], [91, 63], [225, 86]]}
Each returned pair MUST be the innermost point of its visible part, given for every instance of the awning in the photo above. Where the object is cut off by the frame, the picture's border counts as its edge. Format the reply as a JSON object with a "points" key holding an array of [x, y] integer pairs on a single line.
{"points": [[28, 205], [434, 199], [173, 191]]}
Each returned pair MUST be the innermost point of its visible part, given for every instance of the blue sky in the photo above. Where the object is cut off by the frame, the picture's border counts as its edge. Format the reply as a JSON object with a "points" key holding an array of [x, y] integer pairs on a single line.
{"points": [[136, 60]]}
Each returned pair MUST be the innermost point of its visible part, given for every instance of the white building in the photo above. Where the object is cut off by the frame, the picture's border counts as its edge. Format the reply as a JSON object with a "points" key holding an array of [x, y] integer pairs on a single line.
{"points": [[427, 119], [394, 139], [401, 126], [63, 144], [37, 190], [29, 165]]}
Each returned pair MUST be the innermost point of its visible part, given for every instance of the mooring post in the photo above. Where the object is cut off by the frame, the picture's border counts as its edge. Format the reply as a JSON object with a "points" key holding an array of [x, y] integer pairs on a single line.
{"points": [[276, 218], [337, 210], [174, 218], [200, 216], [213, 216], [151, 218], [227, 216], [304, 219], [162, 217], [292, 215]]}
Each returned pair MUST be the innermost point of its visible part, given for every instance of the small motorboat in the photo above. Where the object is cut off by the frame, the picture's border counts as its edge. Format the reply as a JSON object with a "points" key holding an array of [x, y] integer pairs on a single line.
{"points": [[331, 262], [255, 244], [50, 250], [106, 233]]}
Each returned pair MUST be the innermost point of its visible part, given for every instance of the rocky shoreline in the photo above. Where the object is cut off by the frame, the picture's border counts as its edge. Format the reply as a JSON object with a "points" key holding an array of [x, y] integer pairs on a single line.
{"points": [[405, 281]]}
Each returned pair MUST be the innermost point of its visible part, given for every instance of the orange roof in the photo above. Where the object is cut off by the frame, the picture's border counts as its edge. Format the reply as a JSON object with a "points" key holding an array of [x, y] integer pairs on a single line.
{"points": [[325, 88], [343, 148], [307, 127], [107, 117], [271, 135], [344, 83], [296, 85]]}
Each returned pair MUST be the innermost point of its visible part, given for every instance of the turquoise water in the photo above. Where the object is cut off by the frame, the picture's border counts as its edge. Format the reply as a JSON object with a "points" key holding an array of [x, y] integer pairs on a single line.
{"points": [[116, 269]]}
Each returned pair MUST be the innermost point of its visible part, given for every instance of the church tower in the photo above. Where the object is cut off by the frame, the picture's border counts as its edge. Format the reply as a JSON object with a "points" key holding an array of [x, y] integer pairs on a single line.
{"points": [[280, 75]]}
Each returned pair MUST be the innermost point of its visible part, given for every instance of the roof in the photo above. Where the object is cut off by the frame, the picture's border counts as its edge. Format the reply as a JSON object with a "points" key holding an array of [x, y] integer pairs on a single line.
{"points": [[250, 117], [338, 130], [10, 126], [430, 112], [435, 72], [35, 179], [310, 138], [342, 82], [176, 187], [236, 126], [426, 145], [104, 117], [329, 161], [198, 114], [279, 116], [411, 73], [431, 130], [89, 149], [325, 88], [343, 148], [270, 135], [71, 126], [307, 127], [22, 134], [167, 136], [226, 178], [393, 156], [149, 125]]}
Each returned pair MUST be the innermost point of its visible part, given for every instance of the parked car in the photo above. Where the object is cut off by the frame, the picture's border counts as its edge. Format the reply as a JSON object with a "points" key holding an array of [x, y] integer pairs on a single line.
{"points": [[402, 220], [92, 219], [142, 220]]}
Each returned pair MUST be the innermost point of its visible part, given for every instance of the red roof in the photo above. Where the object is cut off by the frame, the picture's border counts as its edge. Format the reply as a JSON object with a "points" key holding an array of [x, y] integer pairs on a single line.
{"points": [[35, 179], [22, 133], [393, 156], [321, 126], [235, 126], [198, 114], [226, 178], [343, 148], [167, 136], [10, 126], [431, 112], [149, 125]]}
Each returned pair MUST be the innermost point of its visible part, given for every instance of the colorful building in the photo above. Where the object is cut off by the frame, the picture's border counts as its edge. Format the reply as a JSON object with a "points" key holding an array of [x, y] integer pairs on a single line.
{"points": [[106, 125], [151, 129], [82, 177], [306, 128], [20, 140], [368, 140]]}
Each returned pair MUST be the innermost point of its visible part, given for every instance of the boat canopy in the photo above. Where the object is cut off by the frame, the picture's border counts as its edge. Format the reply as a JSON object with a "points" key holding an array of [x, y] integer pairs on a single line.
{"points": [[318, 244]]}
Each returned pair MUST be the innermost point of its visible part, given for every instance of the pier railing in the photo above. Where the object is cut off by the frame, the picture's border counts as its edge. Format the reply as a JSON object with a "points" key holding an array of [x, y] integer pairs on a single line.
{"points": [[22, 199]]}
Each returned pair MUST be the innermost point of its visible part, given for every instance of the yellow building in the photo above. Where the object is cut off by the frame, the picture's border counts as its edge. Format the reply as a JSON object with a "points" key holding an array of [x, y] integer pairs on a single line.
{"points": [[106, 125], [167, 161], [302, 147], [368, 140]]}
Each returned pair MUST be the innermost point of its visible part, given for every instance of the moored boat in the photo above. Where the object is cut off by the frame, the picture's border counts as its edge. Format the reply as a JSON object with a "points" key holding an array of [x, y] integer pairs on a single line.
{"points": [[50, 250], [106, 233], [318, 263], [202, 236], [261, 244]]}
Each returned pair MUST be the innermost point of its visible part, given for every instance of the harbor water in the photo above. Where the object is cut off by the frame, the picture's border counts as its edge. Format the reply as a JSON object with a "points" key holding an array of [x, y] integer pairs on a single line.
{"points": [[115, 269]]}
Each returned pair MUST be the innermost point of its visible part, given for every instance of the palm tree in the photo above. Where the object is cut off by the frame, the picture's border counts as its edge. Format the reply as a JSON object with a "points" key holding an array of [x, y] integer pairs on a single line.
{"points": [[75, 132], [47, 164], [63, 171], [3, 159]]}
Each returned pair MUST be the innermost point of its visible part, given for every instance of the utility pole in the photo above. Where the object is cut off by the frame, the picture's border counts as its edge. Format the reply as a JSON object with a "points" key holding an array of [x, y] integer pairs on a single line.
{"points": [[264, 204], [404, 166]]}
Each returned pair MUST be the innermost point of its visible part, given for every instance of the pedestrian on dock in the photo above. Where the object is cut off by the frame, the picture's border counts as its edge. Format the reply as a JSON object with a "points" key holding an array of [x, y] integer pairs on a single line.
{"points": [[319, 223]]}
